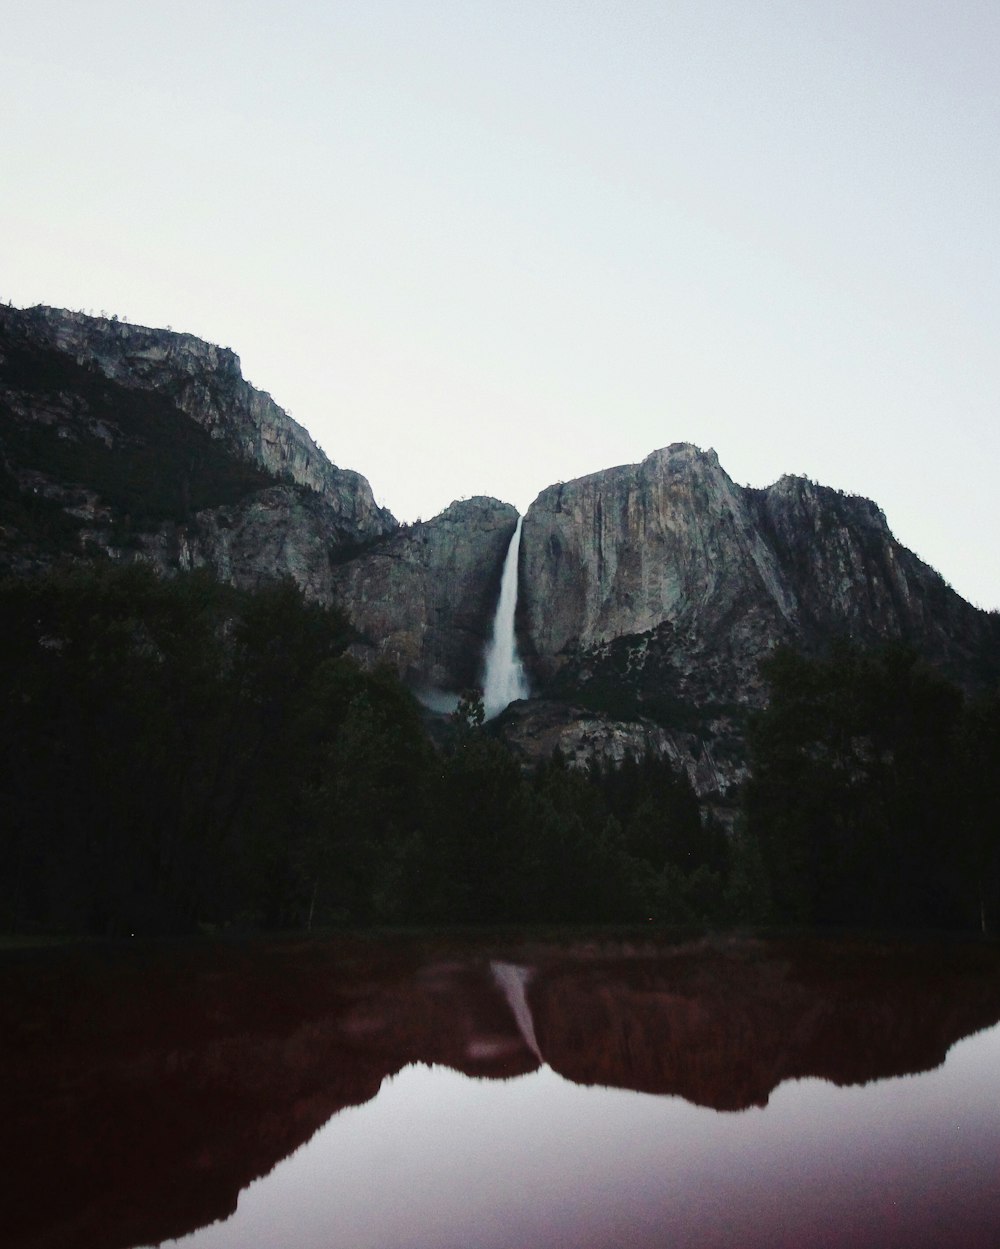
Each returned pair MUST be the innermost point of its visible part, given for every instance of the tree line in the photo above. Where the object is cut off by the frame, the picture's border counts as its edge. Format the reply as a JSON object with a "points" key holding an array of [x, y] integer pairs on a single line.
{"points": [[875, 792], [178, 754]]}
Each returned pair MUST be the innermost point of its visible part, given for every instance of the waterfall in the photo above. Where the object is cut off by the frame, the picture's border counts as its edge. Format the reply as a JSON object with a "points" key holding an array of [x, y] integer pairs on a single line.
{"points": [[504, 679]]}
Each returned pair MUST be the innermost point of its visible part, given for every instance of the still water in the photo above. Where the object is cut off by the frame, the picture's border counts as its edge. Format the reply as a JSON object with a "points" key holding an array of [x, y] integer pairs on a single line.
{"points": [[429, 1095]]}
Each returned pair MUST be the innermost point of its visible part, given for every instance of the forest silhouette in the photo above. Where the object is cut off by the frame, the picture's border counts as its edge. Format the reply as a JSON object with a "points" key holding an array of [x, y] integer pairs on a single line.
{"points": [[178, 755]]}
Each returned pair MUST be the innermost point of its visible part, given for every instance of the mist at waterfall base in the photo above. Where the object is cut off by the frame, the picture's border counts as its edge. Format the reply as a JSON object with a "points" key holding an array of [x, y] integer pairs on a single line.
{"points": [[504, 680]]}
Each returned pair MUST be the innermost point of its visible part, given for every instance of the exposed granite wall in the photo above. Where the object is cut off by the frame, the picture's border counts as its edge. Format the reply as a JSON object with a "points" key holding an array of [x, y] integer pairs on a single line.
{"points": [[424, 599]]}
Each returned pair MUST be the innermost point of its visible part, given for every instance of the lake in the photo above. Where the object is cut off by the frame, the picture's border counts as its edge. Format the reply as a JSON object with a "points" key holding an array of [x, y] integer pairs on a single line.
{"points": [[502, 1092]]}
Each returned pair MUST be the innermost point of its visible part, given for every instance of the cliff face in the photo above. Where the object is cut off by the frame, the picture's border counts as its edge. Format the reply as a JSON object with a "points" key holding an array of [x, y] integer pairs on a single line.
{"points": [[424, 599], [205, 383], [130, 441], [141, 443], [621, 551], [276, 532], [668, 576], [651, 592]]}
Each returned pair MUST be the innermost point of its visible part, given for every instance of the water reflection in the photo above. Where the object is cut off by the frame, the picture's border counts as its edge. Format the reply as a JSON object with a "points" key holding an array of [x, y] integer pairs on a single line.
{"points": [[153, 1089], [544, 1163]]}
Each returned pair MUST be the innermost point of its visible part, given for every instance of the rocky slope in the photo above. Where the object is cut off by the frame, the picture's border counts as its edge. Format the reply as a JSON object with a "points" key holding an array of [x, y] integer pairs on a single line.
{"points": [[205, 383], [536, 728], [655, 589], [131, 440]]}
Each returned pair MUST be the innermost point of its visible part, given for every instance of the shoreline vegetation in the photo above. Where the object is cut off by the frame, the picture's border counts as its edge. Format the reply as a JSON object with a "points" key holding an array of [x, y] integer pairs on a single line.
{"points": [[179, 757]]}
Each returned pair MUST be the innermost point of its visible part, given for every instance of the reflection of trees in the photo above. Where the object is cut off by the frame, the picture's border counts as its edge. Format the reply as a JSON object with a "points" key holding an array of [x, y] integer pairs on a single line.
{"points": [[150, 1088]]}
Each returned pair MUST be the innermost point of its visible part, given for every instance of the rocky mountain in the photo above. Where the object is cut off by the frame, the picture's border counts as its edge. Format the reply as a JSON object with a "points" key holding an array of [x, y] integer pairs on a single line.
{"points": [[649, 593], [669, 566], [143, 442], [131, 442], [654, 590]]}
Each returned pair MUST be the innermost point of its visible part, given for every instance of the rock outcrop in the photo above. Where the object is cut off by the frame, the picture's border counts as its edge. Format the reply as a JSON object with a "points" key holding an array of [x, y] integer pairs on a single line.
{"points": [[132, 441], [704, 577], [536, 728], [205, 382], [424, 598]]}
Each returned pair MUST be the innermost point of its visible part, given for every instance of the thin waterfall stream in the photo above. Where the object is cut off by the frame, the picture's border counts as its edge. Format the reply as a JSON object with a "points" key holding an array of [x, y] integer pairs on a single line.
{"points": [[504, 679]]}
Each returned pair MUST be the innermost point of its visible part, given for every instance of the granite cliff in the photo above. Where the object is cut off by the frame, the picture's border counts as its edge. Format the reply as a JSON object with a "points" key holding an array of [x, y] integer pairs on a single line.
{"points": [[704, 577], [654, 590], [423, 599], [649, 593], [135, 443], [142, 442]]}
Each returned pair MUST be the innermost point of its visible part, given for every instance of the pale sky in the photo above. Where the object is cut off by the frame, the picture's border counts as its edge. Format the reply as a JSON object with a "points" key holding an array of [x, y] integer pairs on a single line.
{"points": [[478, 247]]}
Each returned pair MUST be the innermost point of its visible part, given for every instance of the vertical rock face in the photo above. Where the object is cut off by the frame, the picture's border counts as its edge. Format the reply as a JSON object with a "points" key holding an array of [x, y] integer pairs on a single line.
{"points": [[669, 565], [622, 551], [424, 598]]}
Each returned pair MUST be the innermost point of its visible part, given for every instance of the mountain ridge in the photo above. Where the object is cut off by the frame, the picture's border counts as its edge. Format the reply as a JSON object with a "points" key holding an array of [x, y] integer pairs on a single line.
{"points": [[673, 539], [129, 442], [208, 385], [649, 593]]}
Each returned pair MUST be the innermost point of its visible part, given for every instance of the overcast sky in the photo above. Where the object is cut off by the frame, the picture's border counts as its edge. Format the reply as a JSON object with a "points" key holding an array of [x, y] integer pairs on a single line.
{"points": [[477, 247]]}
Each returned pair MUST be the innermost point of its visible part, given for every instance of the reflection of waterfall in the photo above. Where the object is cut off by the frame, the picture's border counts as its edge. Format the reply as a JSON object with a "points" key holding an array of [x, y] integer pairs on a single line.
{"points": [[504, 679], [513, 980]]}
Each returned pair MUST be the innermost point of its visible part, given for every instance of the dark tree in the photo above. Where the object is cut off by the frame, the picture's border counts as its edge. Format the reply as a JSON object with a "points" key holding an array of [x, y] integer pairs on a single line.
{"points": [[858, 789]]}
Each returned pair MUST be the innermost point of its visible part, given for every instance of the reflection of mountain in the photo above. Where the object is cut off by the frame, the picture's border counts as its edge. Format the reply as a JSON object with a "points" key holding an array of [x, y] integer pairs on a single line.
{"points": [[149, 1088], [723, 1025]]}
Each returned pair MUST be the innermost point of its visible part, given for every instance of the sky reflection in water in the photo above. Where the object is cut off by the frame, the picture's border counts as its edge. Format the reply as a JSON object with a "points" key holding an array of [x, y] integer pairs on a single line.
{"points": [[502, 1092], [442, 1161]]}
